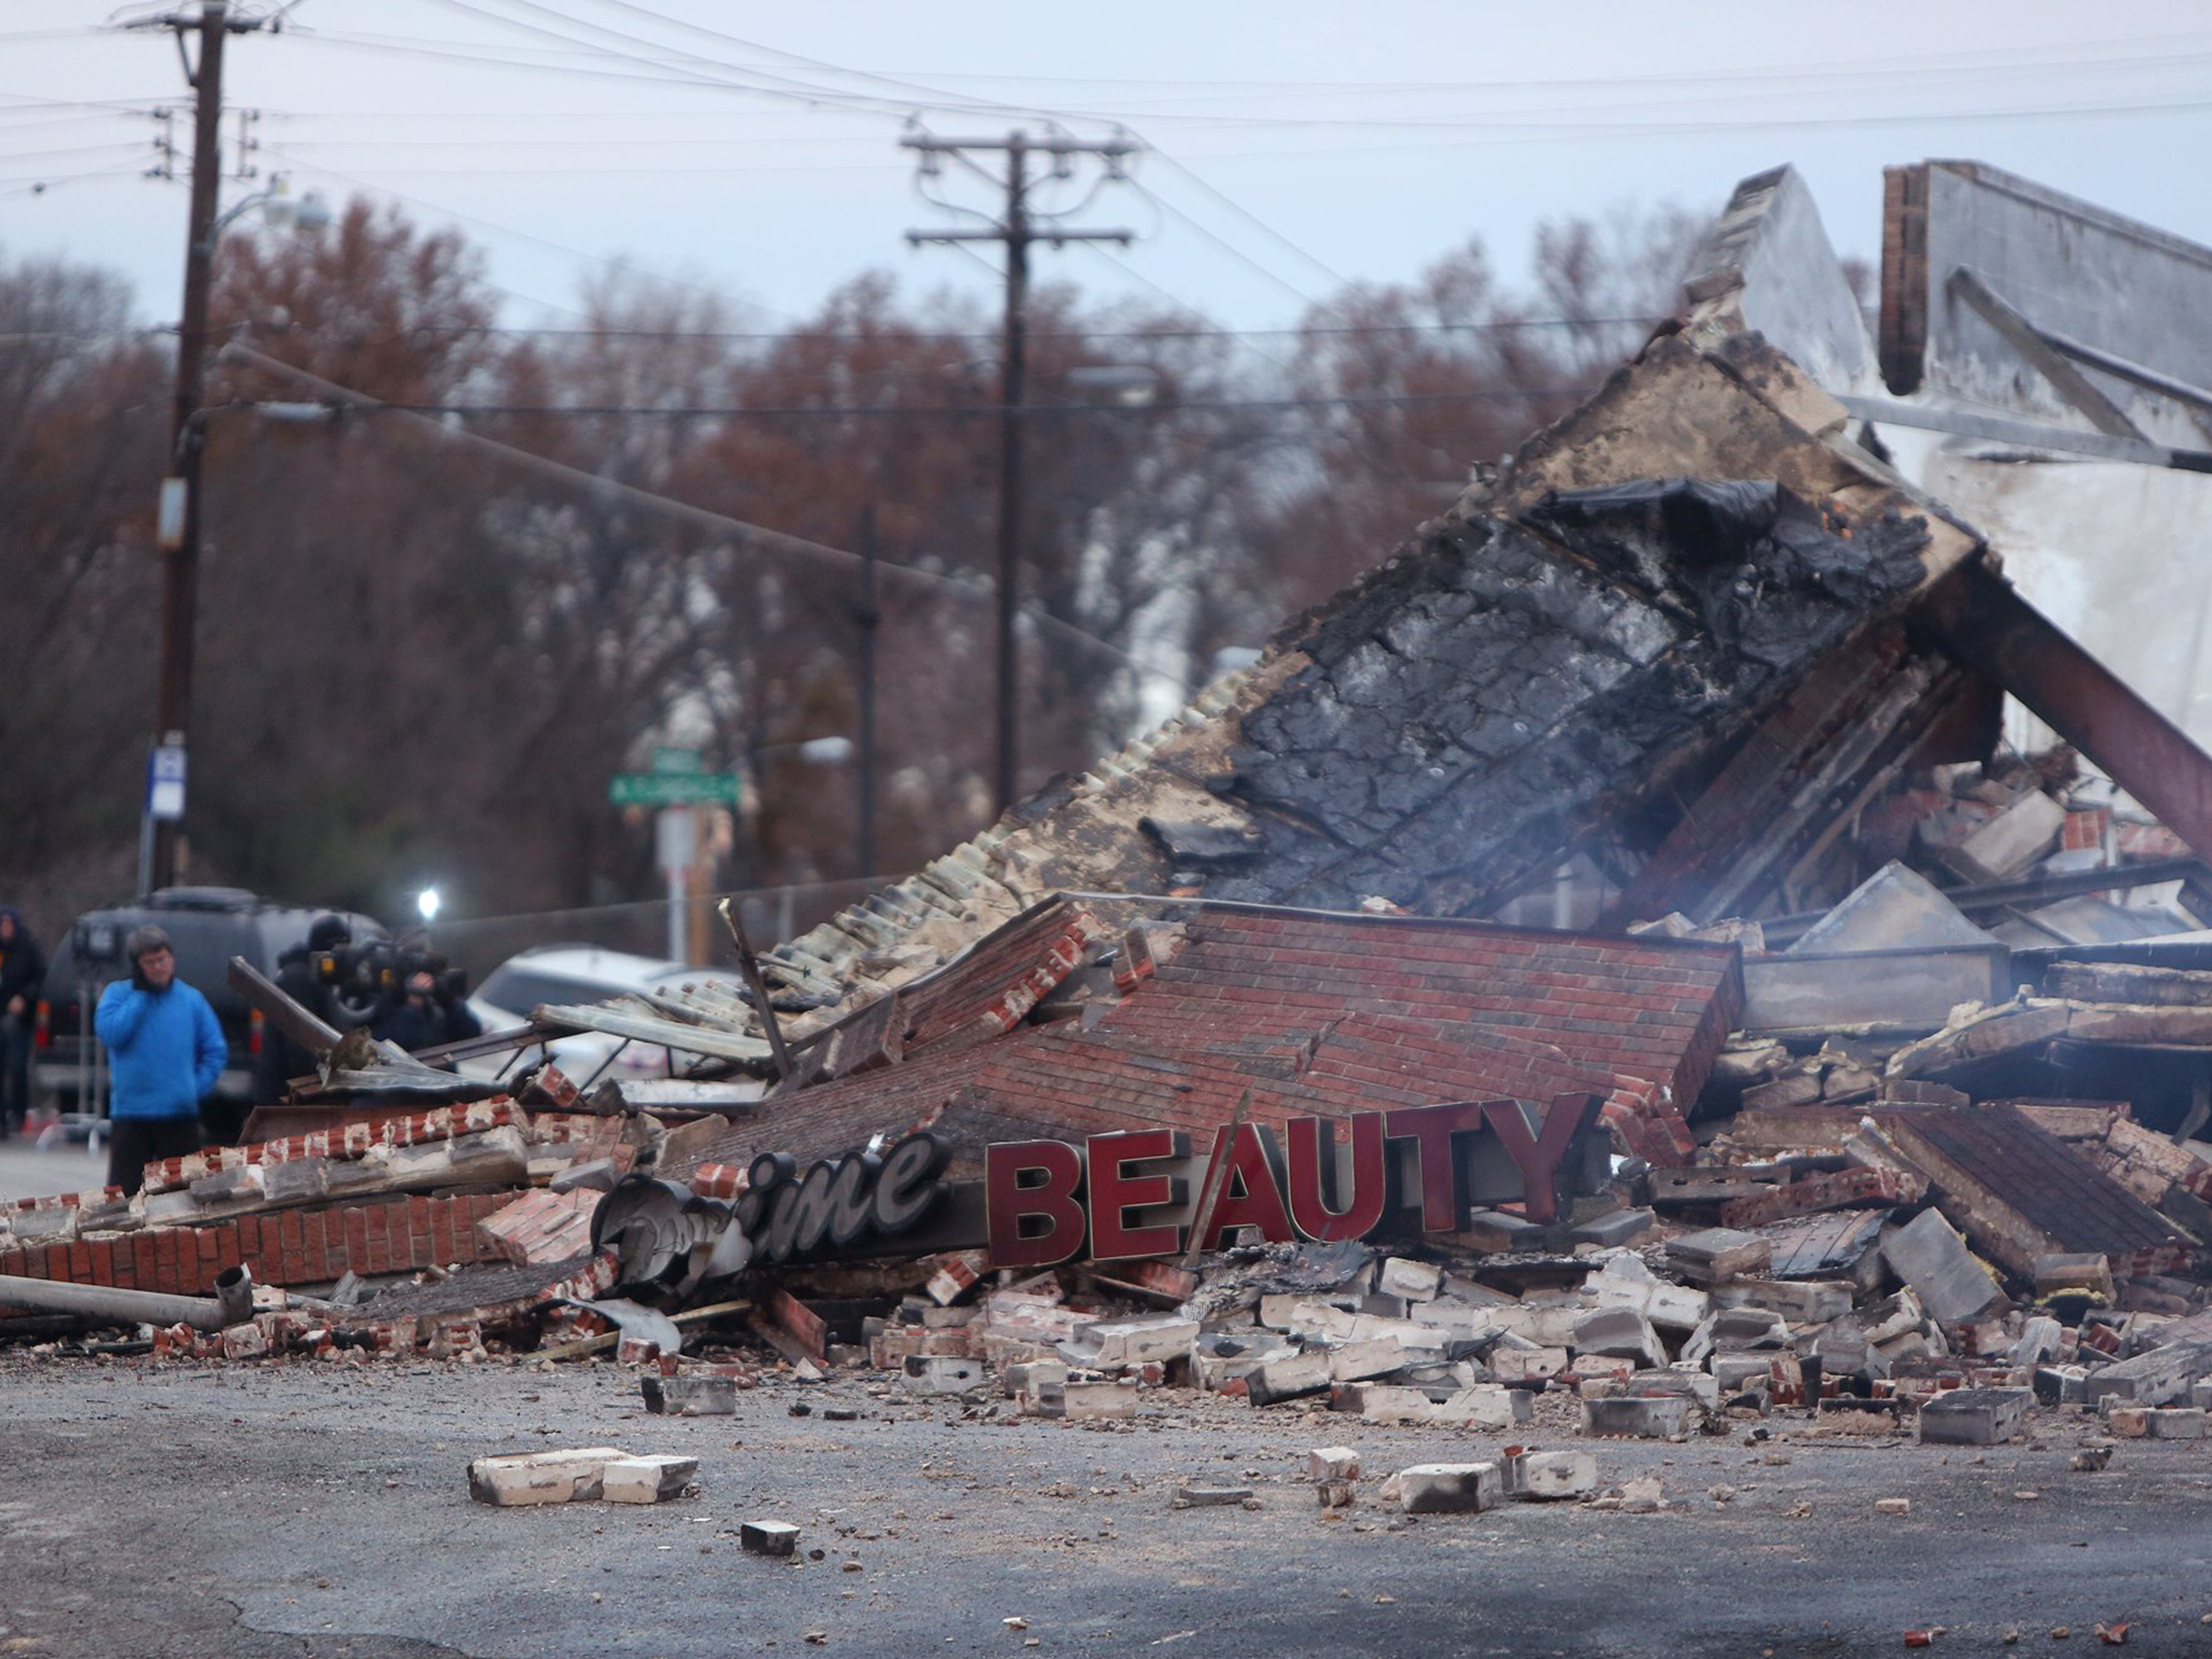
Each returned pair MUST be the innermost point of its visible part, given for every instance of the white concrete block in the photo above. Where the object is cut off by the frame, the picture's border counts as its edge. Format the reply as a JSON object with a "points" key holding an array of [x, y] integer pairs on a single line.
{"points": [[1450, 1488], [651, 1479], [548, 1477]]}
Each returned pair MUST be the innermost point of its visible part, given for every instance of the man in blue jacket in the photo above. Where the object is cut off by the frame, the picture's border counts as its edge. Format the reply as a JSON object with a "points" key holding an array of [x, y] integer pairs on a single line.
{"points": [[168, 1051]]}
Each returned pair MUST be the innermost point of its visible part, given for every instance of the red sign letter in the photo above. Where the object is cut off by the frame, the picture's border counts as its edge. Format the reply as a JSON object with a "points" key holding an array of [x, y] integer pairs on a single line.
{"points": [[1431, 1128], [1313, 1161], [1115, 1193], [1244, 1177], [1538, 1158], [1009, 1202]]}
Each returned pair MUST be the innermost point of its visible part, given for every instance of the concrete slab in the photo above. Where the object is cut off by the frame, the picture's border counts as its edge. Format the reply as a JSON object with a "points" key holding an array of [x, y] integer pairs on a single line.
{"points": [[1928, 1253], [1895, 908]]}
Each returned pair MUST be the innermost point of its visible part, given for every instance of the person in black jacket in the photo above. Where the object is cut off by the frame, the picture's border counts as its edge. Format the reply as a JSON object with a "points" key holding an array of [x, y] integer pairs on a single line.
{"points": [[22, 970], [281, 1060], [432, 1012]]}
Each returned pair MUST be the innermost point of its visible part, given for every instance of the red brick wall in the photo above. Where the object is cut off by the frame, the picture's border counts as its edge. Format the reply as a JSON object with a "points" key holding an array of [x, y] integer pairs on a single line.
{"points": [[288, 1247], [1316, 1013]]}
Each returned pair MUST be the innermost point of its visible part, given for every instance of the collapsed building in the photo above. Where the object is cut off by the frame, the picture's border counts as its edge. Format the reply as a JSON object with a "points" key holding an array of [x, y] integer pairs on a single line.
{"points": [[1863, 1064]]}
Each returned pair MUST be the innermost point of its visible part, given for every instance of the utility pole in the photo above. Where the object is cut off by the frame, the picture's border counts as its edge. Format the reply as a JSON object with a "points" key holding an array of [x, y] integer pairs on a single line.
{"points": [[178, 520], [869, 618], [1021, 226]]}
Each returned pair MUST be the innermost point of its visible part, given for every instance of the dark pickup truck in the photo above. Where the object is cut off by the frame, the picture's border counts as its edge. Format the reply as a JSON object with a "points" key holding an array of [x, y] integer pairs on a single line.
{"points": [[208, 926]]}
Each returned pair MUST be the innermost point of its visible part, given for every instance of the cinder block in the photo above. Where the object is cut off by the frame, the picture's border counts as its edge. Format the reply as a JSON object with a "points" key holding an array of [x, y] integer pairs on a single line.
{"points": [[1333, 1463], [1720, 1253], [1546, 1476], [1974, 1417], [690, 1397], [768, 1537], [2154, 1378], [1687, 1381], [1594, 1366], [1736, 1330], [651, 1479], [2178, 1422], [1733, 1372], [1110, 1344], [1615, 1227], [937, 1373], [1620, 1332], [1357, 1361], [1416, 1281], [1658, 1416], [1288, 1379], [1525, 1366], [1382, 1403], [1450, 1488], [1203, 1497], [1486, 1405], [1218, 1360], [1100, 1400], [531, 1478], [1803, 1302]]}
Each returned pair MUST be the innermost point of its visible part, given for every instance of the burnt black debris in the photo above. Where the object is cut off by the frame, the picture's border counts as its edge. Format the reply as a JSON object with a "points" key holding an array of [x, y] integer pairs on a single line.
{"points": [[1488, 696]]}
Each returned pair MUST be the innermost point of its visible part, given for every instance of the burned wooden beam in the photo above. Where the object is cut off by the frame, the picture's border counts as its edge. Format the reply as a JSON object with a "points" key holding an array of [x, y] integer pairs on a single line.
{"points": [[1983, 621]]}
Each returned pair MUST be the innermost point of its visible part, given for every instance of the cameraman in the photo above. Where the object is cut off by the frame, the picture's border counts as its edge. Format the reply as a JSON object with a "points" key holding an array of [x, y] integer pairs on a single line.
{"points": [[299, 978], [430, 1013]]}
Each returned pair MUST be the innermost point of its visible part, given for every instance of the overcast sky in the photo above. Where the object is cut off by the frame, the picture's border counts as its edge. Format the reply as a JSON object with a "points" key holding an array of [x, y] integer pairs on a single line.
{"points": [[753, 150]]}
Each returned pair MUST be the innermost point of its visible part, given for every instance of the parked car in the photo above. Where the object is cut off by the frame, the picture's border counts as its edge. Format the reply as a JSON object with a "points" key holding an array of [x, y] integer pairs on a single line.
{"points": [[570, 973], [207, 926]]}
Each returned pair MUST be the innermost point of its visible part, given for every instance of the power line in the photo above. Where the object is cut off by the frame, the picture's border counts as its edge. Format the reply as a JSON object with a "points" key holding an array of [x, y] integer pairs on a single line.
{"points": [[803, 332], [9, 156], [1499, 131], [1252, 219], [994, 411], [788, 91], [1880, 69], [127, 169], [760, 536], [1229, 247]]}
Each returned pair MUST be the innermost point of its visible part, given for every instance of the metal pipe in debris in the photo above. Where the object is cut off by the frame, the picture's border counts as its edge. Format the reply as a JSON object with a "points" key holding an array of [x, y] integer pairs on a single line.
{"points": [[231, 1304]]}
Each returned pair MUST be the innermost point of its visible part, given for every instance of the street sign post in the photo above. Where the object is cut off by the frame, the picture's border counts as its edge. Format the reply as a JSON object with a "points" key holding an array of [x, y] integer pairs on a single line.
{"points": [[673, 789], [165, 782], [676, 784]]}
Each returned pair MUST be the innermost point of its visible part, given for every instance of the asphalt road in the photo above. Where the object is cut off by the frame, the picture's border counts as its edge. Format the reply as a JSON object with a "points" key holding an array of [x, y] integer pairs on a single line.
{"points": [[314, 1509], [28, 1171]]}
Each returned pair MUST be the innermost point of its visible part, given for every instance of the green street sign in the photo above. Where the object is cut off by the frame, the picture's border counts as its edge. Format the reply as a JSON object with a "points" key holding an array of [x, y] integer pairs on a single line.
{"points": [[676, 760], [673, 789]]}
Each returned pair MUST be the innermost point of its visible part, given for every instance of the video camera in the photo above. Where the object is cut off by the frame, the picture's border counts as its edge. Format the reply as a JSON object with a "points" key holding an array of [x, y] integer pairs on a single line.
{"points": [[362, 977]]}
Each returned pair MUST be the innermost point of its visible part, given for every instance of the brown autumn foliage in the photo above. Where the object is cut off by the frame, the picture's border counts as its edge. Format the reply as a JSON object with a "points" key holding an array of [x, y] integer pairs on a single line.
{"points": [[421, 660]]}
